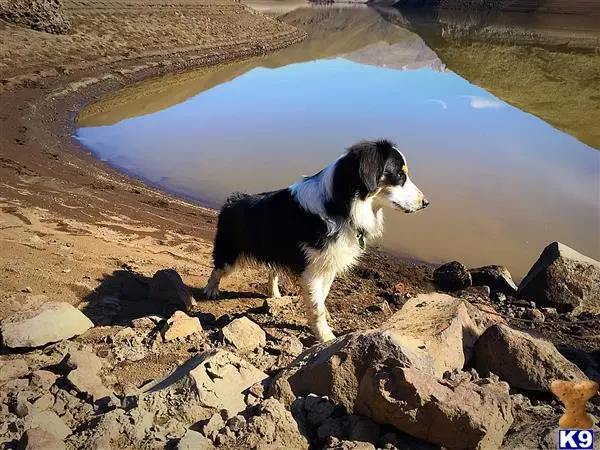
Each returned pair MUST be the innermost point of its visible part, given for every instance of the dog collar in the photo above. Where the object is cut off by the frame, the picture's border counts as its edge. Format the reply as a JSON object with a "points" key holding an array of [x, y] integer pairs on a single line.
{"points": [[361, 240]]}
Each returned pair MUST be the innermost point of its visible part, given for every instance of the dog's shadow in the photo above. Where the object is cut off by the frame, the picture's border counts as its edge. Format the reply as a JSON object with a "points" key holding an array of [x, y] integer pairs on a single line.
{"points": [[199, 295], [125, 295]]}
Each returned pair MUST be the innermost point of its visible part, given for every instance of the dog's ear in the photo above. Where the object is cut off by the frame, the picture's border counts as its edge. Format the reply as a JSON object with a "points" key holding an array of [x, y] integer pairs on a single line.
{"points": [[371, 158], [369, 169]]}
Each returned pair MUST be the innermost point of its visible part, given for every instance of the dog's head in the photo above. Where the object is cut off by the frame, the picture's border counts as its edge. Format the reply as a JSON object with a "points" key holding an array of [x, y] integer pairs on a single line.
{"points": [[383, 174]]}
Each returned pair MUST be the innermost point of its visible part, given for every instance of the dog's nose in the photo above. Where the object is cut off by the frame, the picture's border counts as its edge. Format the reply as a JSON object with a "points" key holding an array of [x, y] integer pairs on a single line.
{"points": [[425, 203]]}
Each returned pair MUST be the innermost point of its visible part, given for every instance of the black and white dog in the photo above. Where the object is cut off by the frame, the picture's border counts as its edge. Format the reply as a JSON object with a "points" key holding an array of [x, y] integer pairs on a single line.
{"points": [[317, 227]]}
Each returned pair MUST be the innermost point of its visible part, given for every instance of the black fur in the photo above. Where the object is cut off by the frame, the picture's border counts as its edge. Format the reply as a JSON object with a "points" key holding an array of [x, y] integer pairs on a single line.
{"points": [[268, 227]]}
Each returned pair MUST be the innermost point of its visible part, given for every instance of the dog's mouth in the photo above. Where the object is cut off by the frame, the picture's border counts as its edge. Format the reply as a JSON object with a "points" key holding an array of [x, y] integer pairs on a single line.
{"points": [[403, 208], [406, 210]]}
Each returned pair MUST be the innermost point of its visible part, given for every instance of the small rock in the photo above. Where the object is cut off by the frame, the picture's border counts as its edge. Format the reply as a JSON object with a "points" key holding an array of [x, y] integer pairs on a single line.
{"points": [[236, 423], [474, 293], [192, 440], [452, 276], [84, 376], [45, 402], [276, 305], [12, 368], [125, 335], [498, 278], [169, 291], [526, 363], [180, 325], [27, 290], [563, 279], [51, 322], [498, 297], [291, 345], [21, 407], [43, 379], [40, 439], [16, 385], [336, 444], [85, 360], [258, 390], [550, 313], [534, 314], [244, 334], [147, 322], [50, 422], [214, 425], [381, 306]]}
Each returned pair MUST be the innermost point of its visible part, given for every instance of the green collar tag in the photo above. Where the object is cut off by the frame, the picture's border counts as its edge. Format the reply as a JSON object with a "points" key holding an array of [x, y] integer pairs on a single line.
{"points": [[361, 241]]}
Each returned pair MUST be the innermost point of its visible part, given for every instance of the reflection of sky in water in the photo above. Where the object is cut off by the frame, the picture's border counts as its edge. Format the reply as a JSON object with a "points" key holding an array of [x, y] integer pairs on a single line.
{"points": [[502, 182]]}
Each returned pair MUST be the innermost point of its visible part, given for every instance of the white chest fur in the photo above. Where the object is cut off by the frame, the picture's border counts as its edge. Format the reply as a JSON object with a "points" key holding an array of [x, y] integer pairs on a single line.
{"points": [[337, 256]]}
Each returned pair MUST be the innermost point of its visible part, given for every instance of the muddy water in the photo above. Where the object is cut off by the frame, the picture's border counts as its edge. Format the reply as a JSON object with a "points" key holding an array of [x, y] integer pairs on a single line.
{"points": [[502, 182]]}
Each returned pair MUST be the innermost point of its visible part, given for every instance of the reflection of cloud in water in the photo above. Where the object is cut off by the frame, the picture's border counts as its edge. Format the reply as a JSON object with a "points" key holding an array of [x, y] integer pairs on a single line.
{"points": [[442, 103], [484, 103]]}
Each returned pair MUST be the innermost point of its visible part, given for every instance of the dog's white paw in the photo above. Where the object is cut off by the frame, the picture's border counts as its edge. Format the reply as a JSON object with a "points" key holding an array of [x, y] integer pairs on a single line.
{"points": [[326, 336], [211, 293]]}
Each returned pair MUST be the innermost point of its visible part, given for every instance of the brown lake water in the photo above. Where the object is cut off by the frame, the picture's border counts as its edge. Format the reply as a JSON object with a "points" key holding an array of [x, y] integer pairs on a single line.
{"points": [[502, 182]]}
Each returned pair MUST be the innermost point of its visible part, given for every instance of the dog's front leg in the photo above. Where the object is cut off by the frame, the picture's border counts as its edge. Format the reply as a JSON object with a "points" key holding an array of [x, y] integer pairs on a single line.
{"points": [[314, 292]]}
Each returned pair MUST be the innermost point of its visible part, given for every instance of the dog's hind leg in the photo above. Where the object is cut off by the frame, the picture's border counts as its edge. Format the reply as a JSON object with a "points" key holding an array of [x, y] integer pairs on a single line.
{"points": [[225, 253], [274, 285], [314, 292]]}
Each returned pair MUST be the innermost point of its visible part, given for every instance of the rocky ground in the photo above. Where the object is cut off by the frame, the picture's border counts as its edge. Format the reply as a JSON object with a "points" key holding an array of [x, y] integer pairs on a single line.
{"points": [[149, 364], [107, 341]]}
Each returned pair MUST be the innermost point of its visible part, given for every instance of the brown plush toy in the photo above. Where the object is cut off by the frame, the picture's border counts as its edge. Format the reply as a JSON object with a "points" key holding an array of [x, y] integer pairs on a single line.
{"points": [[574, 396]]}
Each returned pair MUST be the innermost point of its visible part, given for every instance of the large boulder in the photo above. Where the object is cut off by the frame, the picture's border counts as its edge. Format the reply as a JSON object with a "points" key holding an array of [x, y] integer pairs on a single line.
{"points": [[452, 276], [522, 360], [40, 15], [444, 327], [432, 332], [564, 279], [50, 322], [207, 383], [454, 415]]}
